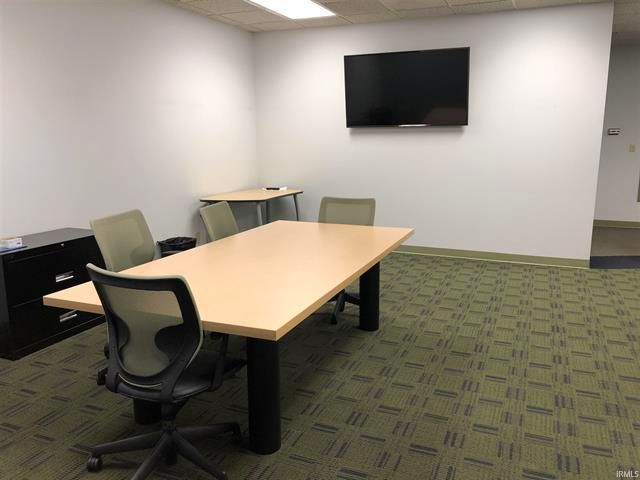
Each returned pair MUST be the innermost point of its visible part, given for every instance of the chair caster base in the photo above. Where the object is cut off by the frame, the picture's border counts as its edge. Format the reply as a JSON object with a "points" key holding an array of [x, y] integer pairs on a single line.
{"points": [[101, 378], [171, 458], [333, 320], [94, 463]]}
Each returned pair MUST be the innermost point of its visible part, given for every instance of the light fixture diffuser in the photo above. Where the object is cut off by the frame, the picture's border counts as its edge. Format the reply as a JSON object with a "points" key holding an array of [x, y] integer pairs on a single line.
{"points": [[294, 9]]}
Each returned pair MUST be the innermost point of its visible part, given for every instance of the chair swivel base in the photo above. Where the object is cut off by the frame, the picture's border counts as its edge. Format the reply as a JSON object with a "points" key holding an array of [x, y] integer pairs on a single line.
{"points": [[167, 444], [341, 299]]}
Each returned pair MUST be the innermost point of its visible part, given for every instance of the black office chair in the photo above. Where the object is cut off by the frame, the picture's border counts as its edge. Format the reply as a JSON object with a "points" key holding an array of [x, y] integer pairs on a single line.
{"points": [[154, 355]]}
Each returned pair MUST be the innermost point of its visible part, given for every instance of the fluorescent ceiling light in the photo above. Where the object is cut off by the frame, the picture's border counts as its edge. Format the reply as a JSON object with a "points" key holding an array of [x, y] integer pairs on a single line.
{"points": [[294, 9]]}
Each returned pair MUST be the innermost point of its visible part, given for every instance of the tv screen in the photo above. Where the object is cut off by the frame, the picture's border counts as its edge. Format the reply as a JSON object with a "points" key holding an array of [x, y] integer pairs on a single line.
{"points": [[421, 88]]}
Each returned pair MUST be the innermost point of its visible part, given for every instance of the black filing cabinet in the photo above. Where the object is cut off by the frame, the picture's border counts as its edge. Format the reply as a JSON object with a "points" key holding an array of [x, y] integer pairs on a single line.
{"points": [[49, 261]]}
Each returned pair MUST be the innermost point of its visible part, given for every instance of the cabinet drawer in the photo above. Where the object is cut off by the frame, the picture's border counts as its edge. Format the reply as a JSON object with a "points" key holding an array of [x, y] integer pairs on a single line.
{"points": [[32, 277], [34, 321]]}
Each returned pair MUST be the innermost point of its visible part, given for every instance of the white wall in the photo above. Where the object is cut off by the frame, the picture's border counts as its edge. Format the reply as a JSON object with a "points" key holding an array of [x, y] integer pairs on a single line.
{"points": [[107, 105], [619, 177], [2, 70], [521, 178], [111, 105]]}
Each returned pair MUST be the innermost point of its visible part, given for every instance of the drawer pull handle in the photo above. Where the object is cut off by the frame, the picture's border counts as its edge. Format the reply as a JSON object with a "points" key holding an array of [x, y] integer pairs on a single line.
{"points": [[63, 277], [65, 317]]}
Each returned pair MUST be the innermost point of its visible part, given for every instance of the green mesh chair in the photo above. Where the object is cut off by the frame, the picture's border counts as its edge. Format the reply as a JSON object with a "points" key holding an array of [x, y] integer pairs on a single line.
{"points": [[351, 211], [219, 221], [155, 337], [124, 240]]}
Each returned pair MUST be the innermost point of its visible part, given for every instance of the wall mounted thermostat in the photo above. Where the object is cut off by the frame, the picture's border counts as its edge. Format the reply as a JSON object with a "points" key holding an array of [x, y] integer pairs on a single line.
{"points": [[613, 131]]}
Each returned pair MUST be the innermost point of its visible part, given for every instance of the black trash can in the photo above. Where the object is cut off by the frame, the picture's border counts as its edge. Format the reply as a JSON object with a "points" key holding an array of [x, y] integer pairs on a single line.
{"points": [[175, 245]]}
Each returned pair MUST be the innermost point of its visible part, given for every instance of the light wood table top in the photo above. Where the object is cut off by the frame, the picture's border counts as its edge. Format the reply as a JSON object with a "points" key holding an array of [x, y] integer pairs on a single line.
{"points": [[263, 282], [253, 195]]}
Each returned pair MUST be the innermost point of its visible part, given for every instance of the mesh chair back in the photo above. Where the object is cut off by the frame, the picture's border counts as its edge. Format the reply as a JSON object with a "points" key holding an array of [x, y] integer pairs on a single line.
{"points": [[351, 211], [124, 240], [153, 325], [219, 220]]}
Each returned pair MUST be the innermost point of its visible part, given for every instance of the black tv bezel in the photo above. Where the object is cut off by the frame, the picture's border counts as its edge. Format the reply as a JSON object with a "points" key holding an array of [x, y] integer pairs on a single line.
{"points": [[466, 121]]}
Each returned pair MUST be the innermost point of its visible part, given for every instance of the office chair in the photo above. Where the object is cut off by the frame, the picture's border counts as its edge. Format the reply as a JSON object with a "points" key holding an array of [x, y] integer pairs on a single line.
{"points": [[219, 221], [351, 211], [124, 241], [155, 337]]}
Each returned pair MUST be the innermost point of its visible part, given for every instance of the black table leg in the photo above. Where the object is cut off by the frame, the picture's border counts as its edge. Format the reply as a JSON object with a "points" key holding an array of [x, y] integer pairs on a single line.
{"points": [[263, 378], [146, 413], [370, 299]]}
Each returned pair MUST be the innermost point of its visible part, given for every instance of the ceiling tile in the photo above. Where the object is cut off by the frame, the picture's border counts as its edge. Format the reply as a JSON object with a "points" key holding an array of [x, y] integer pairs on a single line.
{"points": [[626, 27], [220, 7], [623, 38], [484, 7], [257, 16], [372, 17], [249, 28], [247, 16], [455, 3], [623, 9], [426, 12], [542, 3], [273, 26], [222, 19], [323, 22], [355, 7], [625, 19], [412, 4]]}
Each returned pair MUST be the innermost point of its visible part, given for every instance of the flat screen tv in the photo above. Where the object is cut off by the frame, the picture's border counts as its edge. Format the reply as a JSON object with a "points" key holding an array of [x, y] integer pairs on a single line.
{"points": [[406, 89]]}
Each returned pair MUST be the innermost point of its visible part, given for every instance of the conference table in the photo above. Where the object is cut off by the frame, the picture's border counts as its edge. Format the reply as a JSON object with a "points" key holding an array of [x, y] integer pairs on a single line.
{"points": [[260, 284], [257, 196]]}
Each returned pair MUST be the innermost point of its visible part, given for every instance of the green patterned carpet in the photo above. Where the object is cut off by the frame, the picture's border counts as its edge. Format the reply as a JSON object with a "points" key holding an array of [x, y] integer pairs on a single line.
{"points": [[479, 371]]}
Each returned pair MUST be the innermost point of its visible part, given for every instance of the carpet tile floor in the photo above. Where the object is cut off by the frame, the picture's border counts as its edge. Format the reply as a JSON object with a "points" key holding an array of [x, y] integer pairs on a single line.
{"points": [[480, 370]]}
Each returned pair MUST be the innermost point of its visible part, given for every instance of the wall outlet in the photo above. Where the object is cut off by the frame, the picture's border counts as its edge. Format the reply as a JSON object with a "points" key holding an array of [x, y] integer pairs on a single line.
{"points": [[632, 147]]}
